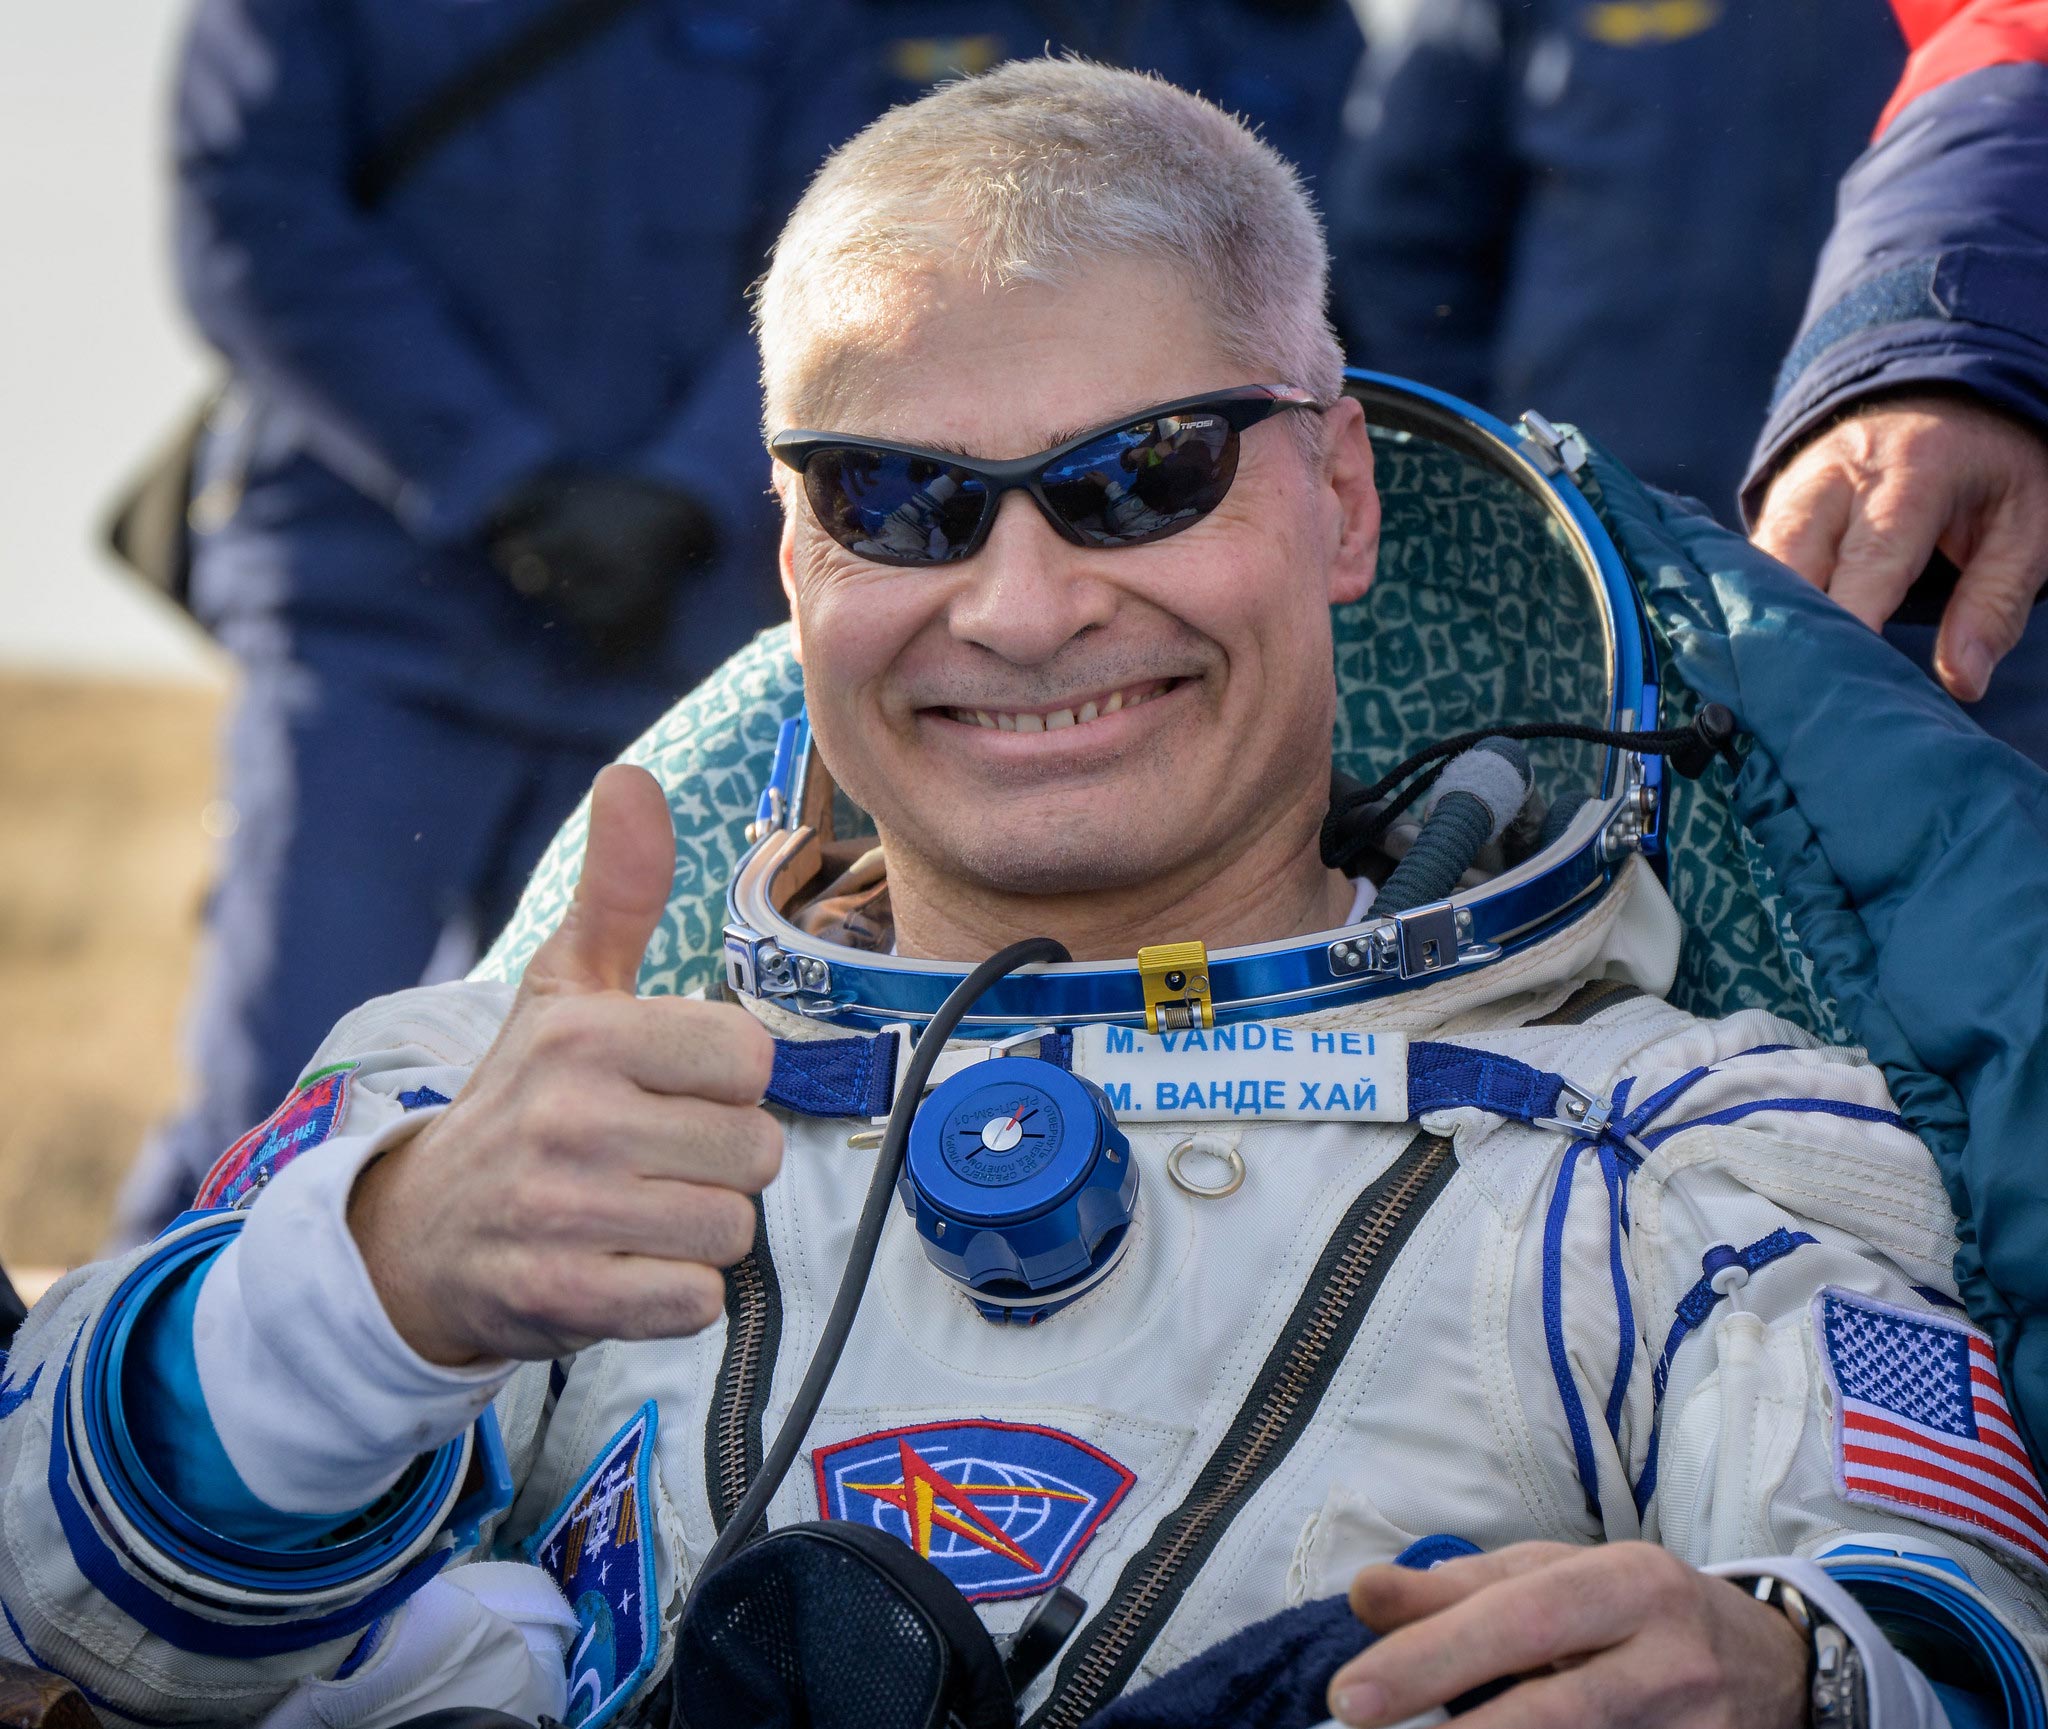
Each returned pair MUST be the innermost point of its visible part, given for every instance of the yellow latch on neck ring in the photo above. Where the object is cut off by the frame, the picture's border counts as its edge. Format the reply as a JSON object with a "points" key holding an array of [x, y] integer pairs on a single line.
{"points": [[1175, 978]]}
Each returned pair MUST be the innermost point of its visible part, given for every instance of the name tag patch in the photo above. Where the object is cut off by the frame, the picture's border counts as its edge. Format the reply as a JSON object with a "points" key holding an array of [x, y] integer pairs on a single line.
{"points": [[301, 1123], [1921, 1424], [599, 1547], [1002, 1509], [1251, 1069]]}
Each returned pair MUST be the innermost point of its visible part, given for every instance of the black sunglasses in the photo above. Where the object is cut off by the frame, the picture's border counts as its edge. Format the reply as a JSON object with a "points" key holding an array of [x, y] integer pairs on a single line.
{"points": [[1120, 485]]}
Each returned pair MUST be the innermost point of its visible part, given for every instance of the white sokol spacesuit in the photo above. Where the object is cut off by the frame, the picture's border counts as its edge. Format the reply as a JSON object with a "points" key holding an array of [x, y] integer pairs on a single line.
{"points": [[1734, 1334]]}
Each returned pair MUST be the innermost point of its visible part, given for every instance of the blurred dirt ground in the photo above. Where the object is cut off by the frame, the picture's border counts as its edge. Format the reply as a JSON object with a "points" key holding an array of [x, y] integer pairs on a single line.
{"points": [[106, 794]]}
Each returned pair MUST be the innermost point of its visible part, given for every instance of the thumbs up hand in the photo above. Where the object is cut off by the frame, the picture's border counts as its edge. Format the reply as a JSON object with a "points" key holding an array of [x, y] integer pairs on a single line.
{"points": [[595, 1173]]}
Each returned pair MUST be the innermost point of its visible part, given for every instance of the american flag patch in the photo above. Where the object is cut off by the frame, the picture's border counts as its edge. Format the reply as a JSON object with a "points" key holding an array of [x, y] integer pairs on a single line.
{"points": [[1922, 1426]]}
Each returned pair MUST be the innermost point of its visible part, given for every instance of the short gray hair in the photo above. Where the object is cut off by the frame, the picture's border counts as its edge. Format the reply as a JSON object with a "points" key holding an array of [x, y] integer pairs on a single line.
{"points": [[1032, 172]]}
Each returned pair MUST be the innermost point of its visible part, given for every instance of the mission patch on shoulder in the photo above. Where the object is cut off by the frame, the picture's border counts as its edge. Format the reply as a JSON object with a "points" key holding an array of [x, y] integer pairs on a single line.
{"points": [[312, 1113], [1002, 1509], [598, 1545]]}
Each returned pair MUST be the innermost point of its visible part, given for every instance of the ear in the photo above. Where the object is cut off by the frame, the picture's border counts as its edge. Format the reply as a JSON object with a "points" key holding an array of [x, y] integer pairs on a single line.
{"points": [[1355, 501], [779, 479]]}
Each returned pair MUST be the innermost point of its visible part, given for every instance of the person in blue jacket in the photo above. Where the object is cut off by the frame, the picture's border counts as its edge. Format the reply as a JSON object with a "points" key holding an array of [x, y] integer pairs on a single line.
{"points": [[1285, 65], [1911, 415], [487, 492], [1603, 209]]}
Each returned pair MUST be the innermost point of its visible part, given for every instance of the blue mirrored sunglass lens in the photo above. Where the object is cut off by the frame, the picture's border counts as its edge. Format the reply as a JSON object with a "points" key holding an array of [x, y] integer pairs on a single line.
{"points": [[894, 509], [1144, 480]]}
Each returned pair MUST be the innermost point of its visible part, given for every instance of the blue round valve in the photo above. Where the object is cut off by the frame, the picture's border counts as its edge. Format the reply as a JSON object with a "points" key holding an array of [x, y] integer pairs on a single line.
{"points": [[1021, 1184]]}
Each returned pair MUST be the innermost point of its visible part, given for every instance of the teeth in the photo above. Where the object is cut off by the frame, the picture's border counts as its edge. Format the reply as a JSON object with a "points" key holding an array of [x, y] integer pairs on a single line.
{"points": [[1060, 717]]}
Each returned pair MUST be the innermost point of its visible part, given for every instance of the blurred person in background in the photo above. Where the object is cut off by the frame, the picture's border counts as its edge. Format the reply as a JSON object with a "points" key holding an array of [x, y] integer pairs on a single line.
{"points": [[494, 482], [1603, 209], [1285, 65], [1911, 415], [488, 503]]}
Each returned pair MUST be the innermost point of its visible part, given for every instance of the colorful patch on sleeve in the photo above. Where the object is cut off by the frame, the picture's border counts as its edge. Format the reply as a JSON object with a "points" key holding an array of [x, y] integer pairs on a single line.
{"points": [[599, 1547], [1002, 1509], [312, 1113], [1921, 1424]]}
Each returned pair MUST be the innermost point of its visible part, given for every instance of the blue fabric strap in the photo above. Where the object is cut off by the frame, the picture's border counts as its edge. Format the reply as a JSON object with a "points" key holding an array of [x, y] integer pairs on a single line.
{"points": [[856, 1077], [834, 1077], [1451, 1077]]}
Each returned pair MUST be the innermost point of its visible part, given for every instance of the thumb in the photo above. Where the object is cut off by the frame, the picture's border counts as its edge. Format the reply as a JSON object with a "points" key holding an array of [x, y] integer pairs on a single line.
{"points": [[628, 862]]}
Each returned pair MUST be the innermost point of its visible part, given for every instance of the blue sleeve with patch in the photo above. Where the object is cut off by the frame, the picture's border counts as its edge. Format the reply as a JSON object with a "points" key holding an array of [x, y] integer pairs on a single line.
{"points": [[173, 1431], [1936, 274], [319, 302]]}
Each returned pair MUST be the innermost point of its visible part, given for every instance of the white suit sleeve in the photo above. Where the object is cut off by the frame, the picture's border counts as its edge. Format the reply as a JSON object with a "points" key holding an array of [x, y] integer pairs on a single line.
{"points": [[156, 1614], [1805, 1392]]}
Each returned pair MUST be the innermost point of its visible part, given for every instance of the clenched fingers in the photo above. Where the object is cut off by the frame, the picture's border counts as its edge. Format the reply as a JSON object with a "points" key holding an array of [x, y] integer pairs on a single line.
{"points": [[1623, 1633], [561, 1303], [652, 1216], [664, 1044], [1723, 1661], [1861, 508], [610, 1129], [1855, 519]]}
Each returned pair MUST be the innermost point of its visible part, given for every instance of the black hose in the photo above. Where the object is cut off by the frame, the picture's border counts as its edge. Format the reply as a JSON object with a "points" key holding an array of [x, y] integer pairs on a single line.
{"points": [[867, 1237]]}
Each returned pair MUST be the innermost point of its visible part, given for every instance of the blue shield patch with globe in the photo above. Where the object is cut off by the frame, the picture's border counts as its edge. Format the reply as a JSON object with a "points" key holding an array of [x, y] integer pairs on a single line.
{"points": [[599, 1547], [1002, 1509]]}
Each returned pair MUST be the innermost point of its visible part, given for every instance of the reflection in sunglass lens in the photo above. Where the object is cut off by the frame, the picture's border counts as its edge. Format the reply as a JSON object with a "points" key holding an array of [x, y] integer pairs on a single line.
{"points": [[894, 509], [1145, 480]]}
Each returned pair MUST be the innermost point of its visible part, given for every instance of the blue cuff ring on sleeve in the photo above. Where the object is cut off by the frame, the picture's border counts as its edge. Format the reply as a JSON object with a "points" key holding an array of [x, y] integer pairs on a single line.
{"points": [[399, 1522], [1954, 1638]]}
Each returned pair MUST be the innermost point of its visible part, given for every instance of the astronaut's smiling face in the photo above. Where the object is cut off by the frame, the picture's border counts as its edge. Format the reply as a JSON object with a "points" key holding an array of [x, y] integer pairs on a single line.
{"points": [[1050, 720]]}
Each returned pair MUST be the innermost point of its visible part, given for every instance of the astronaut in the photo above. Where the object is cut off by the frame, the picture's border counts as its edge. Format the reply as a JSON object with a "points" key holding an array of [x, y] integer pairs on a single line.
{"points": [[1640, 1327]]}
